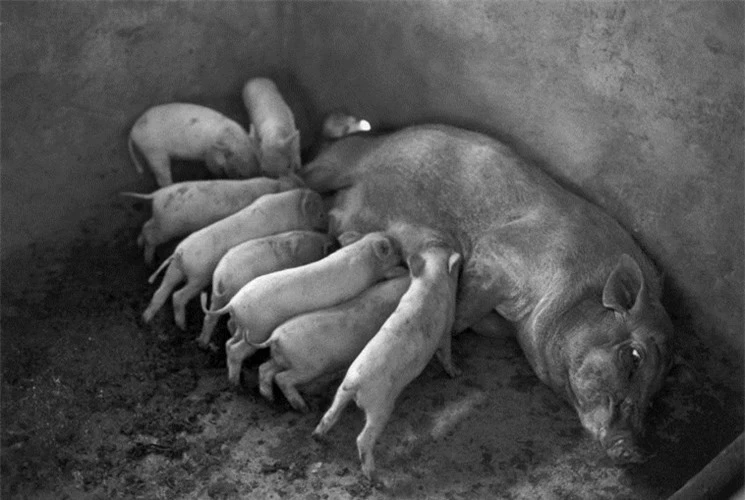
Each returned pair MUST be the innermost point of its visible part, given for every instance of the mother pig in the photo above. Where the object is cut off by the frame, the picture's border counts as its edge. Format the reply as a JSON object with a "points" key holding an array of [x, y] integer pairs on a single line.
{"points": [[581, 294]]}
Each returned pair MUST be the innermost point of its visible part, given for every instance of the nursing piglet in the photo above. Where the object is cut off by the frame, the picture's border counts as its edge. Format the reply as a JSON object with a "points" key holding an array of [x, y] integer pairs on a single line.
{"points": [[183, 208], [192, 132], [273, 130], [258, 257], [197, 256], [400, 351], [325, 341], [270, 300]]}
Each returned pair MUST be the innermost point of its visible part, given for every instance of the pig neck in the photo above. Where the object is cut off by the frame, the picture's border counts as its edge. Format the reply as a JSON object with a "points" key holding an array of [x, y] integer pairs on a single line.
{"points": [[555, 337]]}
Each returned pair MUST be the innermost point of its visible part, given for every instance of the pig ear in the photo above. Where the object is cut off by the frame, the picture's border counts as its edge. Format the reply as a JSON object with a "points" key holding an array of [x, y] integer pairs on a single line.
{"points": [[454, 263], [216, 157], [624, 286], [349, 237], [416, 264], [383, 248]]}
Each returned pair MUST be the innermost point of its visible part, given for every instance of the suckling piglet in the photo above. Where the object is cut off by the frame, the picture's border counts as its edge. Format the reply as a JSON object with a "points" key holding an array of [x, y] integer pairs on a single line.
{"points": [[254, 258], [191, 132], [196, 257], [400, 351], [270, 300], [327, 340], [273, 129], [180, 209]]}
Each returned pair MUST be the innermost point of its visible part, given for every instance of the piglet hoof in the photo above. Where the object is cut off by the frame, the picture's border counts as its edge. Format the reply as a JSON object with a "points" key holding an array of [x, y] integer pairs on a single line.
{"points": [[372, 478], [319, 434], [205, 345]]}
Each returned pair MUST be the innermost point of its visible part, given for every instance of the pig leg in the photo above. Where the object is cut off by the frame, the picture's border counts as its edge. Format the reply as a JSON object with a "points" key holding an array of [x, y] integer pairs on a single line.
{"points": [[377, 415], [287, 381], [445, 356], [208, 327], [148, 241], [210, 321], [237, 350], [173, 277], [160, 164], [343, 396], [267, 372], [180, 298]]}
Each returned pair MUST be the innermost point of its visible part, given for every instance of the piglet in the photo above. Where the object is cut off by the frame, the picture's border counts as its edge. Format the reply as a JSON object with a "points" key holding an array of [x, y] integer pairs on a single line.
{"points": [[192, 132], [400, 351], [270, 300], [197, 256], [183, 208], [258, 257], [327, 340], [273, 130]]}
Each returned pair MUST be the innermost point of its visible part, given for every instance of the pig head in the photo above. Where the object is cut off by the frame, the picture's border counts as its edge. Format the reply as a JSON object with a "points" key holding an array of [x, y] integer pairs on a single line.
{"points": [[608, 355], [583, 298]]}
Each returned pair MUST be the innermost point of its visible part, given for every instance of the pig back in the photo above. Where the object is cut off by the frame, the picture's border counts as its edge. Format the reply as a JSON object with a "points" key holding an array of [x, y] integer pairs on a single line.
{"points": [[188, 206], [270, 214], [254, 258]]}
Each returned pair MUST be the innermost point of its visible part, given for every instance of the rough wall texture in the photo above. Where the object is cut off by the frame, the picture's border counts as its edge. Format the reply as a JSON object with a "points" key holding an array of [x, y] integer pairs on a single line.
{"points": [[638, 106]]}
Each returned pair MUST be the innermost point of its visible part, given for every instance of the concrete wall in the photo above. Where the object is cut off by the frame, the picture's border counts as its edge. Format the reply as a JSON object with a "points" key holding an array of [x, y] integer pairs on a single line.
{"points": [[637, 105]]}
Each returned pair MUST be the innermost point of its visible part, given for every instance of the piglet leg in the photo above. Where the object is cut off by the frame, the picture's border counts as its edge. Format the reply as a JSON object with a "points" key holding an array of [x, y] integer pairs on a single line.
{"points": [[377, 414], [160, 164], [173, 277], [267, 372], [180, 298], [445, 356], [237, 350], [287, 382]]}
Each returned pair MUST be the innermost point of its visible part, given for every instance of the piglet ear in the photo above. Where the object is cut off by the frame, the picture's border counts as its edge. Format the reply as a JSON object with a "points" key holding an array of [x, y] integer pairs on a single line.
{"points": [[416, 264], [216, 158], [624, 286], [349, 237], [383, 248]]}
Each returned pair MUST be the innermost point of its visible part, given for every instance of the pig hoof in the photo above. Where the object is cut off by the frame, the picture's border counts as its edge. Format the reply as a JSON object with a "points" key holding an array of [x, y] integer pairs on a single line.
{"points": [[373, 479], [318, 435]]}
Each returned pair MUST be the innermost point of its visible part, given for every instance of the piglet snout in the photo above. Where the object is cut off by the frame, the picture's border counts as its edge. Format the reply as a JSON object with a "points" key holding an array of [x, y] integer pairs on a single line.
{"points": [[624, 451]]}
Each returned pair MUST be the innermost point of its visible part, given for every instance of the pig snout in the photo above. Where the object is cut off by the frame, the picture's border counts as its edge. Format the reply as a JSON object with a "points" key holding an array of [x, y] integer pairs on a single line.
{"points": [[624, 450]]}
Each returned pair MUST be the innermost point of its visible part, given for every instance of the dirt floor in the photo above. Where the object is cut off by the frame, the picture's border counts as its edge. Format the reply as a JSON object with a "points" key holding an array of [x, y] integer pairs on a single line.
{"points": [[95, 404]]}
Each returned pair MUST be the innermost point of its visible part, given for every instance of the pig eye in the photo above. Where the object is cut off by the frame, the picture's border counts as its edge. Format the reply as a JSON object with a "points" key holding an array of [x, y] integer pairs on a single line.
{"points": [[636, 356]]}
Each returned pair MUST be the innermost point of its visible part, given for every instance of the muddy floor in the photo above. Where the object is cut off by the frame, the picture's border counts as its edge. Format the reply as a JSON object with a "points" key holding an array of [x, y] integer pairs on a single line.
{"points": [[95, 404]]}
